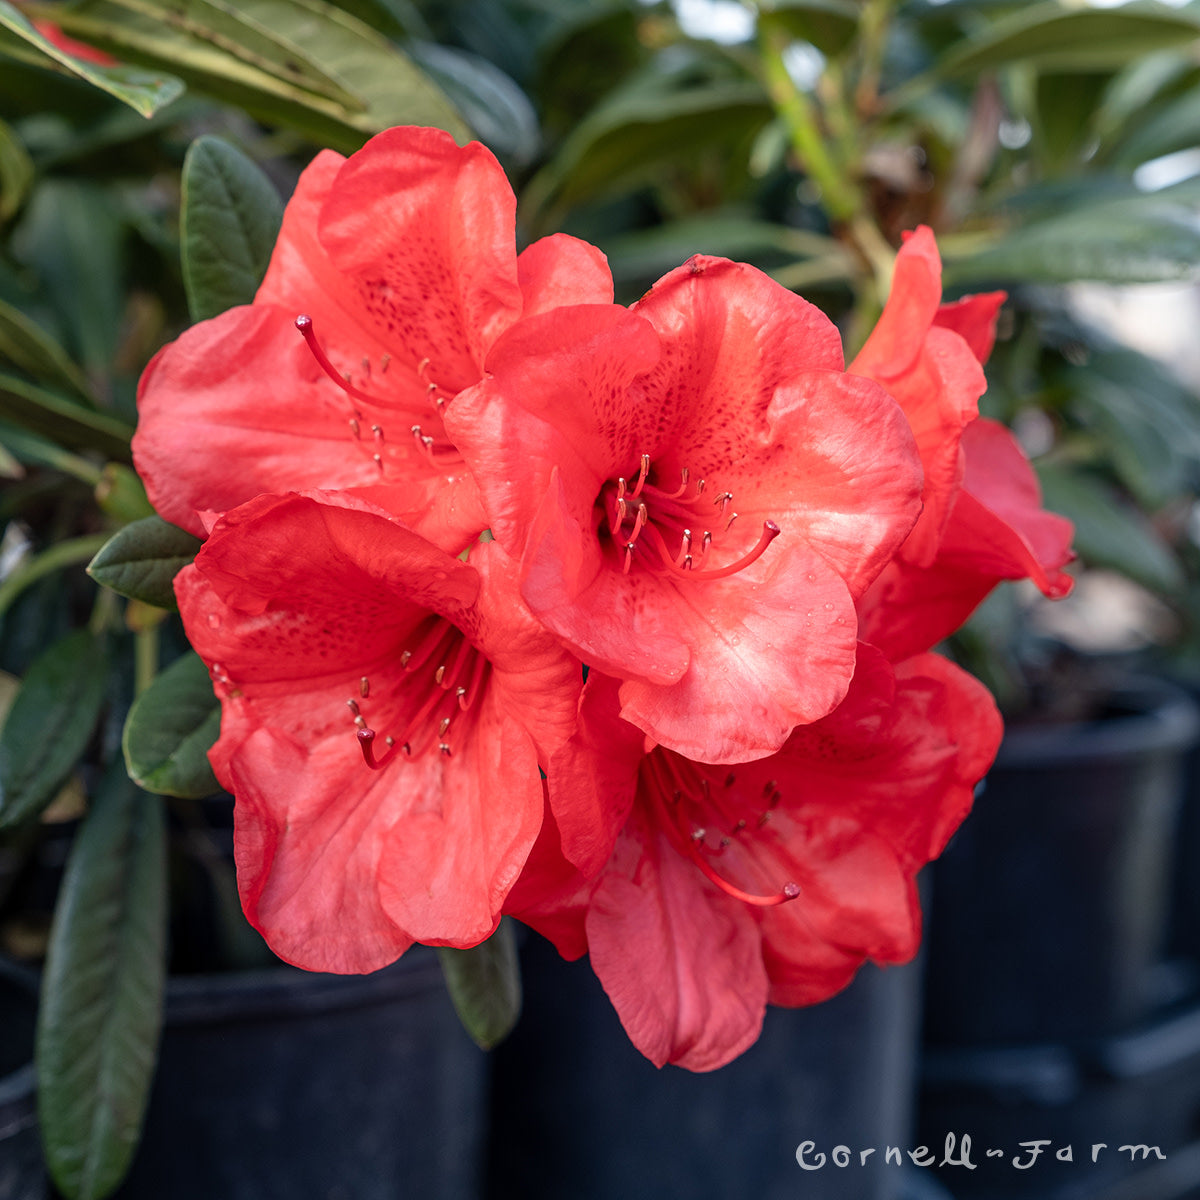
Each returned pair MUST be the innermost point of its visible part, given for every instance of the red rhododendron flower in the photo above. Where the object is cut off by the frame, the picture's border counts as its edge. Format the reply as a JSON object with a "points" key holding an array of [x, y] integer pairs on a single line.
{"points": [[402, 258], [384, 706], [613, 450], [983, 520], [771, 881]]}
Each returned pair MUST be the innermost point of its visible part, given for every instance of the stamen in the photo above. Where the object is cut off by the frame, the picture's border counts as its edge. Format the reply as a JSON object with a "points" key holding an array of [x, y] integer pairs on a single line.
{"points": [[643, 473], [384, 363], [352, 705], [378, 432], [682, 486], [354, 428], [639, 523], [629, 548], [364, 687]]}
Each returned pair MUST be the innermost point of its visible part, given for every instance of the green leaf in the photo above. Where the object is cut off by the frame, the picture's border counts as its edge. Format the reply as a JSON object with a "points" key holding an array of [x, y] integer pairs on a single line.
{"points": [[102, 992], [485, 985], [827, 24], [30, 349], [230, 219], [121, 494], [1109, 532], [50, 724], [142, 560], [62, 420], [494, 106], [1060, 37], [170, 729], [637, 134], [370, 85], [145, 91], [16, 173], [1135, 239]]}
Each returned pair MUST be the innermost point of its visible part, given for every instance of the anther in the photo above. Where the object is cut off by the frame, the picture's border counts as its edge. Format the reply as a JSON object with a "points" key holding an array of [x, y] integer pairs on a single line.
{"points": [[378, 460], [643, 474], [440, 673], [364, 687], [360, 722], [354, 428], [404, 657], [391, 741], [629, 549], [366, 366], [682, 486], [443, 725], [444, 748], [699, 833], [699, 487], [384, 362], [377, 430], [352, 705]]}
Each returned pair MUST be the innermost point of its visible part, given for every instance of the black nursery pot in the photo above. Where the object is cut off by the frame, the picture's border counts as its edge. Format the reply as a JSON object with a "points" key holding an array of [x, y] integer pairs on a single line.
{"points": [[1050, 906], [278, 1084], [579, 1114]]}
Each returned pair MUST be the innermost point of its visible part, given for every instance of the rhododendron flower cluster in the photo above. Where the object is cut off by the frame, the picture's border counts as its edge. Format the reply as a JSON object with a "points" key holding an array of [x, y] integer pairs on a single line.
{"points": [[442, 483]]}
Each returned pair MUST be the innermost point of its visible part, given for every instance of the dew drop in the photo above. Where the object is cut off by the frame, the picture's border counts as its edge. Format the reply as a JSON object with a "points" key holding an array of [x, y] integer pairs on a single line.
{"points": [[829, 608], [213, 620]]}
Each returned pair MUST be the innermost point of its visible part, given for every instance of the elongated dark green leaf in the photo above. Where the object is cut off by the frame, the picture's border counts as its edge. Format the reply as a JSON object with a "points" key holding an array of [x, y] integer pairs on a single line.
{"points": [[62, 420], [485, 985], [49, 725], [102, 993], [230, 218], [16, 173], [29, 348], [145, 91], [625, 142], [1059, 37], [142, 560], [170, 729], [1110, 532], [1135, 239], [380, 85]]}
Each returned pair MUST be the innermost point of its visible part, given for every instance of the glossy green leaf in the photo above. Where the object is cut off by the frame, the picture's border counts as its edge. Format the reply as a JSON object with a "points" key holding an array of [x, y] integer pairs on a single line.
{"points": [[102, 991], [830, 25], [62, 420], [170, 729], [229, 221], [371, 83], [25, 345], [494, 106], [1134, 239], [1110, 532], [142, 560], [1062, 37], [50, 724], [485, 985], [16, 173], [632, 138], [145, 91]]}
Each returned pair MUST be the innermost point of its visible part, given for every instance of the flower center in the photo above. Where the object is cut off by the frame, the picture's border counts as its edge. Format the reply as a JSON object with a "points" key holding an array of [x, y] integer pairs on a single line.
{"points": [[703, 821], [671, 531], [448, 675], [427, 433]]}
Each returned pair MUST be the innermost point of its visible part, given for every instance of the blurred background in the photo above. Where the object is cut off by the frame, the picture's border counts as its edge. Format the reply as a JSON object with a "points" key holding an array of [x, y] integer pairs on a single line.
{"points": [[1055, 150]]}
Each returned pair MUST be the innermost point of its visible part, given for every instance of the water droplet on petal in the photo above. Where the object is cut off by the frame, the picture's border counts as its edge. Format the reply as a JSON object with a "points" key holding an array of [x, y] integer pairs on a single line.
{"points": [[213, 620]]}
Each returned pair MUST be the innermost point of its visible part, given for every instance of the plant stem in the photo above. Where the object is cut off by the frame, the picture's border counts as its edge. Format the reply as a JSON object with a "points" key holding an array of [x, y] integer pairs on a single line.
{"points": [[839, 195], [145, 659]]}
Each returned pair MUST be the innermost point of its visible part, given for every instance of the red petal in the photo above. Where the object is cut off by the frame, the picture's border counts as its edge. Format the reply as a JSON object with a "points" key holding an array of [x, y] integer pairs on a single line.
{"points": [[768, 652], [934, 376], [238, 407], [560, 270], [432, 844], [593, 779], [973, 318], [424, 231], [681, 961]]}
